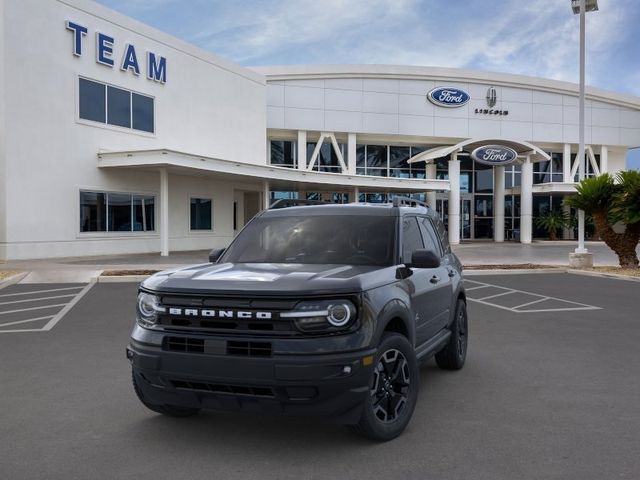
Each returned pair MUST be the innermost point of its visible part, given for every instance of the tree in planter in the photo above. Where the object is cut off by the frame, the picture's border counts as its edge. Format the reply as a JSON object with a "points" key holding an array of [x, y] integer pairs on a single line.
{"points": [[551, 222], [610, 202]]}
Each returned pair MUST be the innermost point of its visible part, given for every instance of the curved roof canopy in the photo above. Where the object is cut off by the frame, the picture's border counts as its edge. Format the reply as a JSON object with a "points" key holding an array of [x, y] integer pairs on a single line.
{"points": [[522, 148]]}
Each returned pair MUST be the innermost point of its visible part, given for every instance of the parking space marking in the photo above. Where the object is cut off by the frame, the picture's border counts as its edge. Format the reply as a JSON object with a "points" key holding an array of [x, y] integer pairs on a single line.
{"points": [[39, 299], [41, 291], [540, 299], [53, 318]]}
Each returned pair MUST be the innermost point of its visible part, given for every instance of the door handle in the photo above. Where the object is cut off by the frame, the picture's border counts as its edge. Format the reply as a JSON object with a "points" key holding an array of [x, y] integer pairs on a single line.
{"points": [[435, 279], [452, 273]]}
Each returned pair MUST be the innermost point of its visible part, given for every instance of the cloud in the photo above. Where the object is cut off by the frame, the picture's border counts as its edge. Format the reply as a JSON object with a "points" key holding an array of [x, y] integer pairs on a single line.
{"points": [[536, 37]]}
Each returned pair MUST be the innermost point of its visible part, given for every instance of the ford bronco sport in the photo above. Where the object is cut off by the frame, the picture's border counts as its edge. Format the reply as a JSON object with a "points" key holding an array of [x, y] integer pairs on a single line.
{"points": [[320, 310]]}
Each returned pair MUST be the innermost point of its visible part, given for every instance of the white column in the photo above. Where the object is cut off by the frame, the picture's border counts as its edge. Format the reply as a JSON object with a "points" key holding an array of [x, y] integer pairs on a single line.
{"points": [[526, 202], [164, 212], [302, 150], [266, 196], [454, 200], [498, 203], [566, 164], [351, 154], [604, 159], [430, 173]]}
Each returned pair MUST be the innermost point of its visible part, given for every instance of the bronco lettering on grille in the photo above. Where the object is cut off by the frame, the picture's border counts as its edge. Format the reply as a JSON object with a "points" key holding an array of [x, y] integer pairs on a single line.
{"points": [[213, 313]]}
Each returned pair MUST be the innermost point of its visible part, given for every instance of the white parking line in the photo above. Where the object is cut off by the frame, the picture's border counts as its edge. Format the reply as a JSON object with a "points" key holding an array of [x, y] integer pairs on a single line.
{"points": [[41, 291], [53, 319], [38, 299], [33, 308], [26, 321], [574, 306]]}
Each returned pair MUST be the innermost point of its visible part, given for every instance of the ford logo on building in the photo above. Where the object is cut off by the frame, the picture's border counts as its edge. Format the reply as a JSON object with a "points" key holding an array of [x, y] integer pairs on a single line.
{"points": [[494, 155], [448, 97]]}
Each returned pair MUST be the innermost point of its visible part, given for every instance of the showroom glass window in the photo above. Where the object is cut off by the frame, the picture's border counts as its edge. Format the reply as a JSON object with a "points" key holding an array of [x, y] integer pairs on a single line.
{"points": [[283, 153], [111, 105], [201, 210], [116, 212]]}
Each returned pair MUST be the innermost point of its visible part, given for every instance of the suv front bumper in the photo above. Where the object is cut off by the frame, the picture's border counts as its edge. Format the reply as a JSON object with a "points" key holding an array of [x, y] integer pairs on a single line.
{"points": [[329, 385]]}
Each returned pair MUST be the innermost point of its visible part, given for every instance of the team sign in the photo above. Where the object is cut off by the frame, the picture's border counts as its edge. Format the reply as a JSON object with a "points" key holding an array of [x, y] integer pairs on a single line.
{"points": [[156, 65]]}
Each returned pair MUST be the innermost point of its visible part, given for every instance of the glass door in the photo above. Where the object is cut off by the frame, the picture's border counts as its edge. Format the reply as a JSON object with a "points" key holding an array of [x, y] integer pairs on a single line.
{"points": [[466, 225]]}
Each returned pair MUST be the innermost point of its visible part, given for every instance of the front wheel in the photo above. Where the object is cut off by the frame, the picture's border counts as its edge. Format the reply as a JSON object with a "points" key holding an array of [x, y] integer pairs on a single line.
{"points": [[393, 390], [454, 354]]}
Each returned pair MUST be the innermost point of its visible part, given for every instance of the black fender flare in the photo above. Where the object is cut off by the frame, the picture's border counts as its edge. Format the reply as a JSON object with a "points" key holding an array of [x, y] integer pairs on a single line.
{"points": [[392, 310]]}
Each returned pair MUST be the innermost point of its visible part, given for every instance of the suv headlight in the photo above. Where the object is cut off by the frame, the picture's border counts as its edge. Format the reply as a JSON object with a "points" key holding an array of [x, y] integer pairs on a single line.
{"points": [[147, 309], [322, 316]]}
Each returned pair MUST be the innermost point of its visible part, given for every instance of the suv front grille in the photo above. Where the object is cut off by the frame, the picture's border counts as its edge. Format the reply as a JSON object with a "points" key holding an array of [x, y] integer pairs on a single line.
{"points": [[254, 391], [184, 344], [249, 349], [260, 316]]}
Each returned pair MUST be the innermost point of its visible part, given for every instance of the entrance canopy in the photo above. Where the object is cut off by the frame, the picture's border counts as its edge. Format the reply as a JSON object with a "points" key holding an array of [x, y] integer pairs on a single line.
{"points": [[521, 148]]}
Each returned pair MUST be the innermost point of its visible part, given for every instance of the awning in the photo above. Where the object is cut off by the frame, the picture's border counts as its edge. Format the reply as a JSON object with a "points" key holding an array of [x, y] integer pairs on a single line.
{"points": [[522, 148], [279, 178]]}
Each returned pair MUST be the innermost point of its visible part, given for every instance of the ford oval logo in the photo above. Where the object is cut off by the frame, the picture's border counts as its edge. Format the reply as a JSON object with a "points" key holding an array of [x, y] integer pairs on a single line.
{"points": [[448, 97], [494, 155]]}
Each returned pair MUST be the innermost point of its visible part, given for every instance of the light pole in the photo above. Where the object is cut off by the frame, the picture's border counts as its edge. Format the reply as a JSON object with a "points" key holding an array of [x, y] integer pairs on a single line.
{"points": [[581, 7]]}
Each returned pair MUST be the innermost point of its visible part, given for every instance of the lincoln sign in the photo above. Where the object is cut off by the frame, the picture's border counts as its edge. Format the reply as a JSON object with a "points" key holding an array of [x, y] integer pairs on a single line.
{"points": [[494, 155]]}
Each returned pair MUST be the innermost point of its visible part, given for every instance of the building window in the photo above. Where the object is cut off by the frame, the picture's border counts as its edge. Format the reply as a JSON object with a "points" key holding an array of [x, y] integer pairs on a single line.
{"points": [[283, 153], [111, 105], [388, 161], [116, 212], [549, 170], [327, 160], [201, 210]]}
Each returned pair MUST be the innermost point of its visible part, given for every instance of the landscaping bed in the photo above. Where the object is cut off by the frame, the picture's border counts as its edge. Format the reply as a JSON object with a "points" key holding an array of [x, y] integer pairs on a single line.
{"points": [[516, 266], [124, 273], [7, 273]]}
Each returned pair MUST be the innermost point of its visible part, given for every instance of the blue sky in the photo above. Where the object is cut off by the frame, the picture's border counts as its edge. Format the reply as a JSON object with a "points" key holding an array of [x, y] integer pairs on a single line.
{"points": [[530, 37]]}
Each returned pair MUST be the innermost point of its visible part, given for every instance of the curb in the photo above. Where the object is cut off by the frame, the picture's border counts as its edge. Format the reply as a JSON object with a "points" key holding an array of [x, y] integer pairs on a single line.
{"points": [[13, 279], [616, 276], [121, 278], [518, 271]]}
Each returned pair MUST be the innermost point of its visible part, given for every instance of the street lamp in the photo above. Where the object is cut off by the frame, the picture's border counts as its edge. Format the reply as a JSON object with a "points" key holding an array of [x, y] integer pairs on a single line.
{"points": [[580, 7]]}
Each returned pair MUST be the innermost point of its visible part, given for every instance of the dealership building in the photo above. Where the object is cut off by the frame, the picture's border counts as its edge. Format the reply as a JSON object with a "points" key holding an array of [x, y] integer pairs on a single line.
{"points": [[118, 138]]}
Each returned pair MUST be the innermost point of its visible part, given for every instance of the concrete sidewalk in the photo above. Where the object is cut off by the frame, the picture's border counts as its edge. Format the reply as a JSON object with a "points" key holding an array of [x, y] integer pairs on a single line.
{"points": [[82, 269]]}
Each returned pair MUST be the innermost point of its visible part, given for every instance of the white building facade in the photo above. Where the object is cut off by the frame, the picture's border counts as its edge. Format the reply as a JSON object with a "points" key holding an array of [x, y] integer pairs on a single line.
{"points": [[118, 138]]}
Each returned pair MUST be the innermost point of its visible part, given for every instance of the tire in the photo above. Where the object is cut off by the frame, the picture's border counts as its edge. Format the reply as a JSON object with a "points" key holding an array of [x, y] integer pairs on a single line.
{"points": [[393, 390], [454, 354], [169, 410]]}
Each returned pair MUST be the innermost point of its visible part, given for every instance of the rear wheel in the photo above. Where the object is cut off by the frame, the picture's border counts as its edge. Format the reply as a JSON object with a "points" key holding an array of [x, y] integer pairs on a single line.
{"points": [[393, 390], [454, 354], [169, 410]]}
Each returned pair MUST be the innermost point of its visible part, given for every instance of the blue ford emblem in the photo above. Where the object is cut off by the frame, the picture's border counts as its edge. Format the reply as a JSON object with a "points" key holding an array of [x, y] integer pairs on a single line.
{"points": [[494, 155], [448, 97]]}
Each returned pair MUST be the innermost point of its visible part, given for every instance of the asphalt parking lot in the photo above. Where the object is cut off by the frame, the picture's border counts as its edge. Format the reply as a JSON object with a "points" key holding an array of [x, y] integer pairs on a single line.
{"points": [[547, 393]]}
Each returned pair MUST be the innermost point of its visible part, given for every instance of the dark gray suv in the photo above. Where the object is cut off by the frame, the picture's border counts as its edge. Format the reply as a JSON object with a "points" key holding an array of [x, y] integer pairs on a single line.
{"points": [[312, 310]]}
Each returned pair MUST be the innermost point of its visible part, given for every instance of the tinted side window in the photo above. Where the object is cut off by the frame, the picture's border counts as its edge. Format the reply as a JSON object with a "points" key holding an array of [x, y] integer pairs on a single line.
{"points": [[429, 235], [441, 230], [411, 238]]}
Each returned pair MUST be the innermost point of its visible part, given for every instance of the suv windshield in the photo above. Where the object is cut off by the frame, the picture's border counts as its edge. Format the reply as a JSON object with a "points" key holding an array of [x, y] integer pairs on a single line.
{"points": [[339, 239]]}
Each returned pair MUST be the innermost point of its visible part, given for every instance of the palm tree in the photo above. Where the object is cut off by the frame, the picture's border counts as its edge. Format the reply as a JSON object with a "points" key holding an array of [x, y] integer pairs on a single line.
{"points": [[609, 202], [551, 222]]}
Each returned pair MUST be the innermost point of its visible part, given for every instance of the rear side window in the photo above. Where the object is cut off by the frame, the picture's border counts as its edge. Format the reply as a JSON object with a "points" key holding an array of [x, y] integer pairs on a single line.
{"points": [[429, 236], [442, 234], [411, 238]]}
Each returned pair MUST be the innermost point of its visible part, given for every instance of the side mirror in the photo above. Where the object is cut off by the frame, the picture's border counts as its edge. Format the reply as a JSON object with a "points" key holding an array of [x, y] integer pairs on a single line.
{"points": [[215, 254], [423, 258]]}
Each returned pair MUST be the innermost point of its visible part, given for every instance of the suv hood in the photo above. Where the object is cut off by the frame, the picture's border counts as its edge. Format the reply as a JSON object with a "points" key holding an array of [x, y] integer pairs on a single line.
{"points": [[270, 278]]}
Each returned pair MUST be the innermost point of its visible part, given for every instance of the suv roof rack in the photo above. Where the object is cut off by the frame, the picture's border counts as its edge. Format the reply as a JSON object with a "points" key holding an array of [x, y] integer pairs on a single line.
{"points": [[295, 202], [400, 201]]}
